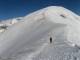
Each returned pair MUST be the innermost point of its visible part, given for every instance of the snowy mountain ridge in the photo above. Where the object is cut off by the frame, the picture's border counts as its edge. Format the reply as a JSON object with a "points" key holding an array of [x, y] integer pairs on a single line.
{"points": [[28, 38], [56, 14]]}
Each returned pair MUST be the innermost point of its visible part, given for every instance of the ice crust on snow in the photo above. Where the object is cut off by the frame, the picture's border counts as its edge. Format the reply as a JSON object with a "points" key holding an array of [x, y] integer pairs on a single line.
{"points": [[27, 38]]}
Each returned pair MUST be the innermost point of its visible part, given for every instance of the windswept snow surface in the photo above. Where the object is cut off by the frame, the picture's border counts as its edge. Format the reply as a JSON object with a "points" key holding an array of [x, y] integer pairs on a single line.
{"points": [[29, 38]]}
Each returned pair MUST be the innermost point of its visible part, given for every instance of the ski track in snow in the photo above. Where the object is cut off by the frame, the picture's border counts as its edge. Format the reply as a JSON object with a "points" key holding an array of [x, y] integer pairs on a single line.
{"points": [[37, 52]]}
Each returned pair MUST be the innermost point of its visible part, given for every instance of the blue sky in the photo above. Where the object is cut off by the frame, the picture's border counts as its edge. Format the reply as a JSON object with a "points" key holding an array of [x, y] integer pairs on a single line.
{"points": [[17, 8]]}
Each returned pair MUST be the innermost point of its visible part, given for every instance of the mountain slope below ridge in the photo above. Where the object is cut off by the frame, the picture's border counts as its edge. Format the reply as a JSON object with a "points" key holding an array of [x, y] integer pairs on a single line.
{"points": [[60, 15], [29, 39]]}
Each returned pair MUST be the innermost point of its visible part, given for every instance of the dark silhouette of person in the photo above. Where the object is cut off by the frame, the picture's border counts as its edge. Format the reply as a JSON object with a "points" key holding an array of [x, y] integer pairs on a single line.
{"points": [[50, 39]]}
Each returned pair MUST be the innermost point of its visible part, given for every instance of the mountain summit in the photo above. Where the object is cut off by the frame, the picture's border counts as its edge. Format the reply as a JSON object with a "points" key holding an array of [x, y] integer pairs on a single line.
{"points": [[51, 33]]}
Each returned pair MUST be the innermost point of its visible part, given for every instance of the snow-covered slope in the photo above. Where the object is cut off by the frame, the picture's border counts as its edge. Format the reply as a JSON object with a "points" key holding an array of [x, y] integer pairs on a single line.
{"points": [[60, 15], [28, 39]]}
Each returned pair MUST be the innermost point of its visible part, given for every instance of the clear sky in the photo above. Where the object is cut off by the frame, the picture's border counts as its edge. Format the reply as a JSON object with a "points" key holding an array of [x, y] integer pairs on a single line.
{"points": [[18, 8]]}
